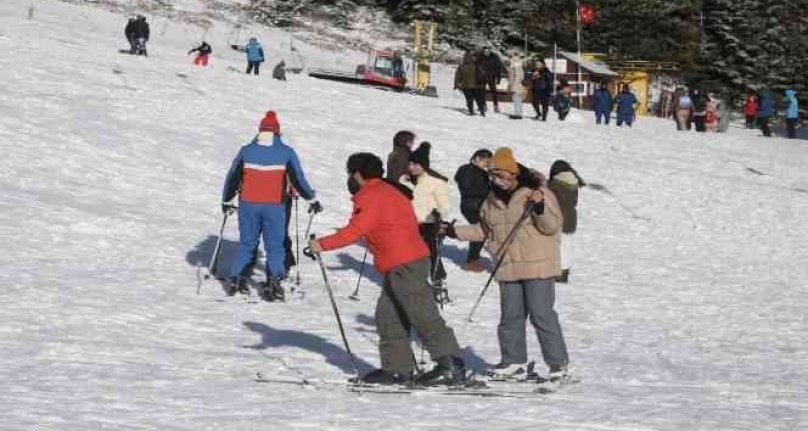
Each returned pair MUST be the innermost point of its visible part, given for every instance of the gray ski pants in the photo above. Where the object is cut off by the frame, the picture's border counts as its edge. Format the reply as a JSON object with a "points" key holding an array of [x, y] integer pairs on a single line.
{"points": [[407, 303], [534, 299]]}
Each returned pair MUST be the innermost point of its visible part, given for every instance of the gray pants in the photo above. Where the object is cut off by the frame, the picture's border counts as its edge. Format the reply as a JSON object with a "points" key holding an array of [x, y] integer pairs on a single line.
{"points": [[529, 298], [406, 303]]}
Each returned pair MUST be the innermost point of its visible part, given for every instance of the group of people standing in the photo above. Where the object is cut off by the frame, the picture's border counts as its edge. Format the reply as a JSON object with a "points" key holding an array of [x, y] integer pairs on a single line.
{"points": [[401, 218], [760, 108]]}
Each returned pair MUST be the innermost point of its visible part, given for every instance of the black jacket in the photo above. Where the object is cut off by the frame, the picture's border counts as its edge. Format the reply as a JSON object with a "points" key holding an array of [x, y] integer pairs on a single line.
{"points": [[398, 163], [202, 49], [140, 30], [543, 84], [491, 67], [129, 31], [473, 184]]}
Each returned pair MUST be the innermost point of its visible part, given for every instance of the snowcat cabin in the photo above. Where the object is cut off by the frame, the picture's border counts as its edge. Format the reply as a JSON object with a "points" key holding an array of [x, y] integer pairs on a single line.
{"points": [[383, 68]]}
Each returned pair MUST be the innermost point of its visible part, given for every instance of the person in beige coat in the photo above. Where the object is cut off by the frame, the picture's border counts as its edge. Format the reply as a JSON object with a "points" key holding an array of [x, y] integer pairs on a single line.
{"points": [[430, 199], [529, 265], [516, 78]]}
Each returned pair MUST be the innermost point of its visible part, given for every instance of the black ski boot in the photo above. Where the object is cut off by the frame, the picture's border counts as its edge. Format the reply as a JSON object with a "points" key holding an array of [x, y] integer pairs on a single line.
{"points": [[383, 377], [440, 293], [564, 277], [237, 285], [272, 290], [448, 370]]}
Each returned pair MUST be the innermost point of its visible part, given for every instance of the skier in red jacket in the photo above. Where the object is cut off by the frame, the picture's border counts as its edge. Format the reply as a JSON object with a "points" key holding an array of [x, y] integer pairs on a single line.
{"points": [[383, 216]]}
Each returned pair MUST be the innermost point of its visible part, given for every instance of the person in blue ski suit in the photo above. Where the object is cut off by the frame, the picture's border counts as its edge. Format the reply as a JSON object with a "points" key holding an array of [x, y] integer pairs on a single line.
{"points": [[602, 104], [766, 110], [259, 175], [792, 113], [255, 56], [626, 101]]}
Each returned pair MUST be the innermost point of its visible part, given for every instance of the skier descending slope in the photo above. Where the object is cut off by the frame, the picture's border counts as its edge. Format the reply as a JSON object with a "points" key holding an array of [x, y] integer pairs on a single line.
{"points": [[259, 174], [529, 265], [383, 216]]}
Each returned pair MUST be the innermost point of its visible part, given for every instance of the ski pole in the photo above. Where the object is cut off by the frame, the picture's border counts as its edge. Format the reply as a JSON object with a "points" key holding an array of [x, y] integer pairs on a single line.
{"points": [[316, 256], [500, 255], [308, 227], [297, 244], [355, 294], [215, 257]]}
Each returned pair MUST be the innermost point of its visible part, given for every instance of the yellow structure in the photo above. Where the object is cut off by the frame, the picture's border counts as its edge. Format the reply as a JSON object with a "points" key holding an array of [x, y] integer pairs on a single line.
{"points": [[639, 82], [425, 33]]}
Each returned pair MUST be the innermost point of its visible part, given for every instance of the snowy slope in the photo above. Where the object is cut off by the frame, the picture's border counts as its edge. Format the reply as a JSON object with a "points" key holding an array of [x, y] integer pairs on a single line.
{"points": [[686, 308]]}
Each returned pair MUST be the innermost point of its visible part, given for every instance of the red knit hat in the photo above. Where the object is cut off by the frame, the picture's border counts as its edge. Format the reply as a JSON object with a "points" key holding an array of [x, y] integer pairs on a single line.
{"points": [[270, 123]]}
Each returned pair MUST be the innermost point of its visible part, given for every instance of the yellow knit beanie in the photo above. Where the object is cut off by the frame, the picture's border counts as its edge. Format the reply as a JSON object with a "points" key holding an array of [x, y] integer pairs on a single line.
{"points": [[503, 160]]}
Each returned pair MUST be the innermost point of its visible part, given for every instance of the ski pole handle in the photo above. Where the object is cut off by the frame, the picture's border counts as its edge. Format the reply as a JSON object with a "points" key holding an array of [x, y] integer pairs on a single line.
{"points": [[307, 250]]}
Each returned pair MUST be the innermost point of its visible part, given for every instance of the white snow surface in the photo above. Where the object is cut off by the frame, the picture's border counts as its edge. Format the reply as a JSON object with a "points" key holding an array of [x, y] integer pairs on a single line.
{"points": [[686, 308]]}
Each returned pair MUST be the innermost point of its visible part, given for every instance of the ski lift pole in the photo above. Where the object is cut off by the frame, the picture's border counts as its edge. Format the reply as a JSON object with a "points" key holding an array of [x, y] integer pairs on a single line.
{"points": [[580, 86]]}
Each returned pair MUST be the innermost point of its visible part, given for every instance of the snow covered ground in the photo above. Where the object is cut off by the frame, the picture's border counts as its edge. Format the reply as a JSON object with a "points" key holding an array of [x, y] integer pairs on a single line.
{"points": [[686, 309]]}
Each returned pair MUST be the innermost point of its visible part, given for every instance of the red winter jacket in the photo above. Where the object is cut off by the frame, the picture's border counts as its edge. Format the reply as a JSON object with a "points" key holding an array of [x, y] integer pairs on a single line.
{"points": [[384, 217], [750, 108]]}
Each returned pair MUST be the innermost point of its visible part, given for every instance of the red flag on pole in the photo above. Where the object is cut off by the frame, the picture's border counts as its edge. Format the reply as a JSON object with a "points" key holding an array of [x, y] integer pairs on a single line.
{"points": [[587, 14]]}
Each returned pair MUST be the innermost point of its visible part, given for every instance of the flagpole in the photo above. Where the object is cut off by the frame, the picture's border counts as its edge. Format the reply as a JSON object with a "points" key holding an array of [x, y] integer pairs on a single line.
{"points": [[580, 55]]}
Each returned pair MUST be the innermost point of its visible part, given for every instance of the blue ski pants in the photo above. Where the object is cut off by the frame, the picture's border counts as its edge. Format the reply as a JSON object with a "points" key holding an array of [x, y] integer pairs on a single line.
{"points": [[603, 116], [625, 117], [256, 221]]}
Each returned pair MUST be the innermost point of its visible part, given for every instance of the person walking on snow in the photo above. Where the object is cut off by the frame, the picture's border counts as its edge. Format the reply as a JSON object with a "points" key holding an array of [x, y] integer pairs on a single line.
{"points": [[766, 108], [384, 218], [792, 113], [602, 104], [203, 52], [750, 108], [474, 185], [561, 102], [398, 161], [258, 175], [140, 34], [542, 83], [700, 103], [430, 201], [516, 84], [255, 56], [684, 112], [469, 79], [129, 32], [529, 266], [626, 105], [491, 65], [565, 182]]}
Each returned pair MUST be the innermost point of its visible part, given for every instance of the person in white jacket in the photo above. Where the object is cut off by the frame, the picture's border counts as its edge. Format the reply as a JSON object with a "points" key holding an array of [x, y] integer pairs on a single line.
{"points": [[430, 200], [516, 77]]}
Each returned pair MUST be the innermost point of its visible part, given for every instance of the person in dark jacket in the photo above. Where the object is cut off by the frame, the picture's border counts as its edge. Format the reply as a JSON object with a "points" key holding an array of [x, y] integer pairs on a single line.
{"points": [[626, 105], [565, 182], [140, 34], [203, 52], [384, 218], [474, 185], [491, 66], [602, 104], [542, 85], [279, 72], [561, 102], [765, 112], [469, 80], [129, 32], [700, 102], [398, 161]]}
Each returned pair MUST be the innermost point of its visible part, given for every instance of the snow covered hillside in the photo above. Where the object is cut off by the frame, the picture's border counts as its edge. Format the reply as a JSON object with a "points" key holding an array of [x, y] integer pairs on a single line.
{"points": [[685, 311]]}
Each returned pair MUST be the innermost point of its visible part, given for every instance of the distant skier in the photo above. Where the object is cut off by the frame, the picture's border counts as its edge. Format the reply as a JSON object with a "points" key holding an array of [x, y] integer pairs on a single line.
{"points": [[516, 84], [766, 110], [750, 108], [474, 185], [626, 107], [140, 34], [129, 32], [565, 182], [529, 265], [469, 79], [491, 66], [792, 113], [279, 72], [561, 101], [258, 175], [542, 86], [430, 192], [203, 51], [255, 56], [398, 161], [384, 218], [602, 104]]}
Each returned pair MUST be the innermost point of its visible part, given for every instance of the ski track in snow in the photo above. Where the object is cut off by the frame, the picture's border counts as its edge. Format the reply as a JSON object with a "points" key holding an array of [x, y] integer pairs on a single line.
{"points": [[686, 308]]}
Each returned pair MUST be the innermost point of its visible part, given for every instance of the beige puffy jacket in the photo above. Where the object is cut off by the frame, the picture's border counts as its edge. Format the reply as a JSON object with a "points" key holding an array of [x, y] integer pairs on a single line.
{"points": [[430, 194], [534, 252]]}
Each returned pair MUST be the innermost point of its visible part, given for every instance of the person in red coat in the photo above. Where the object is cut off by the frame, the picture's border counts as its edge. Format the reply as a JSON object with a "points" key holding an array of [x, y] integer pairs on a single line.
{"points": [[750, 108], [384, 218]]}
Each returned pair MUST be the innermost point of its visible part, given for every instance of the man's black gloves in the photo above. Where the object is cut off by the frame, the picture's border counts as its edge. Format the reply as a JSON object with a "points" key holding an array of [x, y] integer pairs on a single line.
{"points": [[228, 209], [315, 207]]}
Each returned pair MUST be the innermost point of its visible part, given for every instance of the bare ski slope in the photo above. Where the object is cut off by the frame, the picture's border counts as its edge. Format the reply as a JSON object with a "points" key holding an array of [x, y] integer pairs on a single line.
{"points": [[686, 309]]}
